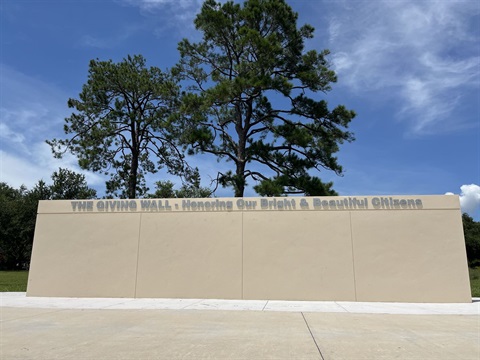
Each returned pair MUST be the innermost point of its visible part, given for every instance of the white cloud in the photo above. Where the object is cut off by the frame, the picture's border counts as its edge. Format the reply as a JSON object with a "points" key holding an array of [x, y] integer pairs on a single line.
{"points": [[418, 55], [178, 14], [17, 170], [7, 134], [31, 111], [28, 105], [124, 33], [170, 14], [469, 198], [152, 5], [95, 42]]}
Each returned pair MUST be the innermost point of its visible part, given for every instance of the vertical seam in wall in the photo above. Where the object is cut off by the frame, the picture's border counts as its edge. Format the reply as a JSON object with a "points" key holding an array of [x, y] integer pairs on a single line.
{"points": [[353, 257], [138, 254], [243, 224]]}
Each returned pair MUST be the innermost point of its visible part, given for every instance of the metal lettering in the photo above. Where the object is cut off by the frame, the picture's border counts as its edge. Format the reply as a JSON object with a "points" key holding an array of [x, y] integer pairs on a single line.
{"points": [[240, 203]]}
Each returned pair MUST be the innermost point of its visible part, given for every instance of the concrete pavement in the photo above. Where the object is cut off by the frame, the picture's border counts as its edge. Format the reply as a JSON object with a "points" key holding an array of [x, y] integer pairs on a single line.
{"points": [[54, 328], [18, 299]]}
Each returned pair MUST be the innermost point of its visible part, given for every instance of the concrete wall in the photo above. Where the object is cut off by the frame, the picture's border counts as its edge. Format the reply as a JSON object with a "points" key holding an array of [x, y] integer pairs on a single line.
{"points": [[389, 248]]}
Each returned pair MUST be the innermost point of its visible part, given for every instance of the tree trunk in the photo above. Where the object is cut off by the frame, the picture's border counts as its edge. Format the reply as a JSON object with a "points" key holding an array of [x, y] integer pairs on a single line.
{"points": [[240, 179], [132, 177], [242, 144]]}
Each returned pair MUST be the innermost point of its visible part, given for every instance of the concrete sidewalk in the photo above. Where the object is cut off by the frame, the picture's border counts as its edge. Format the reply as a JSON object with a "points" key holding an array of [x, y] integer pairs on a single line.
{"points": [[53, 328], [19, 299]]}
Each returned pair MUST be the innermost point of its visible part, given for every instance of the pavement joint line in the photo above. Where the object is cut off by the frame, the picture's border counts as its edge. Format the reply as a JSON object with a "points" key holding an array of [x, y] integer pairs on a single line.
{"points": [[117, 304], [313, 337], [264, 306], [195, 303], [346, 310], [54, 310]]}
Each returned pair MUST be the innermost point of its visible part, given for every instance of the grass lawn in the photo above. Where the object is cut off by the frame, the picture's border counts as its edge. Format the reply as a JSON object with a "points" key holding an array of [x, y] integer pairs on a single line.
{"points": [[475, 281], [13, 281], [17, 281]]}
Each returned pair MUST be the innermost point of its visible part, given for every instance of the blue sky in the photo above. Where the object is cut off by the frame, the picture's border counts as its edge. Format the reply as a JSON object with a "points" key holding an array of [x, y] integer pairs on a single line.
{"points": [[410, 69]]}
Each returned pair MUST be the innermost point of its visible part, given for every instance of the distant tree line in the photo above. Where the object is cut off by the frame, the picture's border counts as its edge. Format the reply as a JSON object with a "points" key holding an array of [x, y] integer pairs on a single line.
{"points": [[471, 230], [18, 213]]}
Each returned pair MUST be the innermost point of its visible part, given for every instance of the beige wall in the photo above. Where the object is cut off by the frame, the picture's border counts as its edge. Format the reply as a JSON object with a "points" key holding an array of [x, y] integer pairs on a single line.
{"points": [[390, 248]]}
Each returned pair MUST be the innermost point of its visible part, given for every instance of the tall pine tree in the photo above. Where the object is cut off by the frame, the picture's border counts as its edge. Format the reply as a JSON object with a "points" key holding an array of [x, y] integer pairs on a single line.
{"points": [[253, 98]]}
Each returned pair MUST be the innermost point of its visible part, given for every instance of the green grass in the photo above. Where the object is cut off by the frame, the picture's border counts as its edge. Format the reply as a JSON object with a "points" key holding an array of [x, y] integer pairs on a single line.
{"points": [[475, 281], [13, 281], [17, 281]]}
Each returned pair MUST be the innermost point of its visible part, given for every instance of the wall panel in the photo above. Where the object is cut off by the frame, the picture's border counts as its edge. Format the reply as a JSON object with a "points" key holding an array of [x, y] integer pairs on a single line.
{"points": [[84, 255], [190, 254], [299, 255]]}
